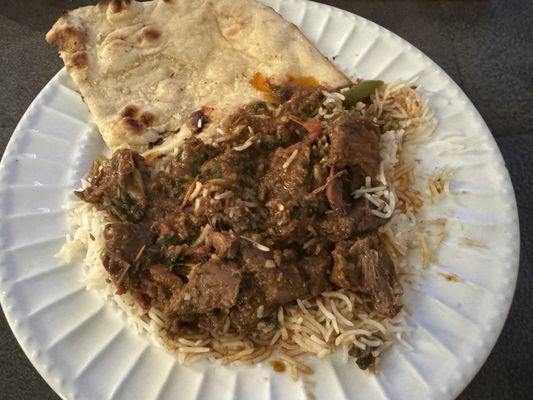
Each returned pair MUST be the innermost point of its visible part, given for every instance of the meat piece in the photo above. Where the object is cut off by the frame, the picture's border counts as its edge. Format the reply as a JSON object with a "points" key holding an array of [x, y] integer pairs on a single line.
{"points": [[365, 220], [379, 279], [161, 275], [261, 125], [118, 185], [212, 321], [160, 285], [256, 115], [247, 313], [315, 271], [334, 194], [186, 164], [286, 192], [227, 166], [170, 252], [345, 274], [280, 284], [289, 226], [198, 254], [175, 227], [303, 101], [312, 126], [285, 134], [363, 267], [226, 244], [354, 143], [213, 285], [129, 250], [338, 226], [126, 240], [287, 181], [355, 178]]}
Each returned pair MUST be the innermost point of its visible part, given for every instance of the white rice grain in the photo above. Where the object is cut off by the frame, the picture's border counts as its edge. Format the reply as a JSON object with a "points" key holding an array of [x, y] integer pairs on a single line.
{"points": [[245, 145], [290, 159]]}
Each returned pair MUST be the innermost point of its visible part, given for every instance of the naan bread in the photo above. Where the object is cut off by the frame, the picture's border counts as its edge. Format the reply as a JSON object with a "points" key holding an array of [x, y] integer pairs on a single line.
{"points": [[144, 67]]}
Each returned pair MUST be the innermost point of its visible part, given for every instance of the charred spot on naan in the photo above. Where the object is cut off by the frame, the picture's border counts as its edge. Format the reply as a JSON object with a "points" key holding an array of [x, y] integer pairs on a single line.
{"points": [[149, 35], [130, 111], [117, 6], [102, 5], [134, 121], [147, 118], [199, 118], [132, 125], [79, 60], [69, 38]]}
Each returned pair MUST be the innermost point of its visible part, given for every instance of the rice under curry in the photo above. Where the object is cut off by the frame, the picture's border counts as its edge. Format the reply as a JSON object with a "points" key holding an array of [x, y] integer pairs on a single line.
{"points": [[282, 236]]}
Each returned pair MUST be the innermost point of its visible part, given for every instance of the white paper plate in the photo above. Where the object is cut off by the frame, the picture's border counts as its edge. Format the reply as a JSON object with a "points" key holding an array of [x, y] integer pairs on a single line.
{"points": [[82, 346]]}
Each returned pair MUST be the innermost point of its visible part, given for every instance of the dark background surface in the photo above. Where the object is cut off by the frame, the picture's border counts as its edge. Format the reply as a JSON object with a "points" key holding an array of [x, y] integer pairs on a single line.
{"points": [[485, 46]]}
